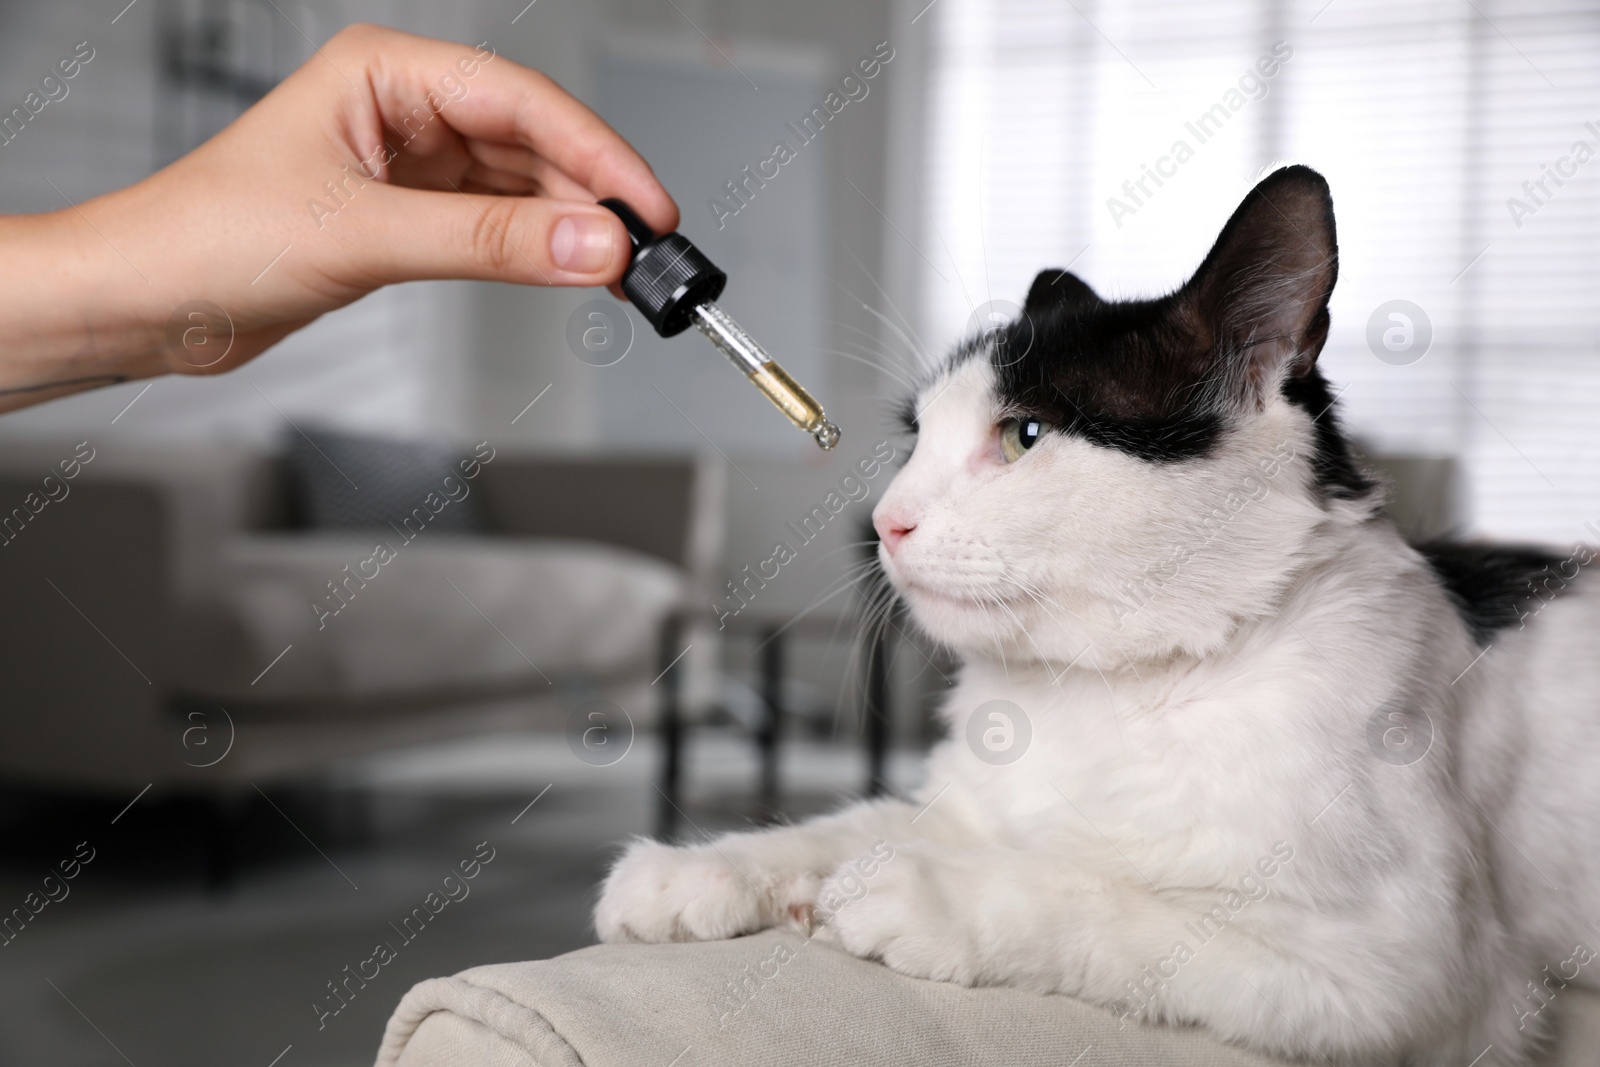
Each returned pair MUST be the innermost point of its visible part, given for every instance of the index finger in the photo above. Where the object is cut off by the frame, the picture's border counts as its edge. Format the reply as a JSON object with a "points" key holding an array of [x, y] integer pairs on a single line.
{"points": [[483, 95]]}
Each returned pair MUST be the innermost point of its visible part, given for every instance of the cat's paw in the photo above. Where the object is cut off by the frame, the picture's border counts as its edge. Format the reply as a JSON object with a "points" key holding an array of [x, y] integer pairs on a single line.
{"points": [[658, 892], [908, 915]]}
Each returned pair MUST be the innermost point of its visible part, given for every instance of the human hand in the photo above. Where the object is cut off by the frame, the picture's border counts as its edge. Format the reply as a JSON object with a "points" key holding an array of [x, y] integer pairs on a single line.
{"points": [[385, 158]]}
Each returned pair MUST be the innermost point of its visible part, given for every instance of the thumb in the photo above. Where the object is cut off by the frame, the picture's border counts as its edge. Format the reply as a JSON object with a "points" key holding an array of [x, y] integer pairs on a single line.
{"points": [[416, 234]]}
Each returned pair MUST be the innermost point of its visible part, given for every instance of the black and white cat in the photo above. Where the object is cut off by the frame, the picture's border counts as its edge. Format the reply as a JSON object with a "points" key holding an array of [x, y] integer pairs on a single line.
{"points": [[1288, 777]]}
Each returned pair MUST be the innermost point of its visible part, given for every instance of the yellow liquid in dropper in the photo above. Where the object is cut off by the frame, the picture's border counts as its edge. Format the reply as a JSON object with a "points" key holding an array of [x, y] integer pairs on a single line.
{"points": [[786, 394]]}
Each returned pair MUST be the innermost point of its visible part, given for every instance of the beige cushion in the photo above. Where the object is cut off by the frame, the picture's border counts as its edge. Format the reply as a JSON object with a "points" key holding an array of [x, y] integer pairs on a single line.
{"points": [[444, 612], [671, 1006]]}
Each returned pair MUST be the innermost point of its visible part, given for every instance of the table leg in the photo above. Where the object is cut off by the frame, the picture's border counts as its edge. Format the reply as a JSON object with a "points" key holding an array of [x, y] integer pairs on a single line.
{"points": [[878, 713], [772, 724], [670, 728]]}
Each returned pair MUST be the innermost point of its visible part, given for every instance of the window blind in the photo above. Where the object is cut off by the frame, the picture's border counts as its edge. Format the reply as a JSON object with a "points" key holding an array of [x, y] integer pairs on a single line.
{"points": [[1047, 121]]}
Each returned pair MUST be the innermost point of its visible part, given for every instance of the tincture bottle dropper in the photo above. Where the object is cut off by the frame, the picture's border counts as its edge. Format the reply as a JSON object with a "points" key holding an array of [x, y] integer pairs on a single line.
{"points": [[674, 286]]}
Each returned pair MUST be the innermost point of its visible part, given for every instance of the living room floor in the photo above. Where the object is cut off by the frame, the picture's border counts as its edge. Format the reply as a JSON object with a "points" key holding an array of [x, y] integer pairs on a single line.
{"points": [[141, 964]]}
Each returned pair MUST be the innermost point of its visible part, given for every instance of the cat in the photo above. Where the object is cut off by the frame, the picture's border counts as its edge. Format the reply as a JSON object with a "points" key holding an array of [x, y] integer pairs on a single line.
{"points": [[1271, 769]]}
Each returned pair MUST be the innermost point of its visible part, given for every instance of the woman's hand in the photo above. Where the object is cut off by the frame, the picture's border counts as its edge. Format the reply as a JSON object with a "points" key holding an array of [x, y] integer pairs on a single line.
{"points": [[385, 158]]}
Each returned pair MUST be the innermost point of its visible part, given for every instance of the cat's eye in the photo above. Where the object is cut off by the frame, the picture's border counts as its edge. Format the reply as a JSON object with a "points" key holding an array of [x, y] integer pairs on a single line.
{"points": [[1019, 435]]}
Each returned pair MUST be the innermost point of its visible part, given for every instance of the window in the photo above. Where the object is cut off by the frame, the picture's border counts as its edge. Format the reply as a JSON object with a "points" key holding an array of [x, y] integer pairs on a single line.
{"points": [[1426, 117]]}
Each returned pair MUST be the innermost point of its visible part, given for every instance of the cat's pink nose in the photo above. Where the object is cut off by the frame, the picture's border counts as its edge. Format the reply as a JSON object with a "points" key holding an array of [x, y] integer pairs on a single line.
{"points": [[891, 528]]}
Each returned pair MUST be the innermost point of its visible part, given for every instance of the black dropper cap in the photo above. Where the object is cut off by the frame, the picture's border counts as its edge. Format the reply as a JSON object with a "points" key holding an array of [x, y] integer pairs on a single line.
{"points": [[669, 277]]}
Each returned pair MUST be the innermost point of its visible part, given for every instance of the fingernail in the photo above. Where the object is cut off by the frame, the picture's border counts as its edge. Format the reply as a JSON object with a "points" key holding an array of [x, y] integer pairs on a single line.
{"points": [[582, 244]]}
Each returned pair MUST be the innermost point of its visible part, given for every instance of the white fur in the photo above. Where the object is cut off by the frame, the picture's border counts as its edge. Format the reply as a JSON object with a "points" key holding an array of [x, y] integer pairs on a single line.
{"points": [[1180, 736]]}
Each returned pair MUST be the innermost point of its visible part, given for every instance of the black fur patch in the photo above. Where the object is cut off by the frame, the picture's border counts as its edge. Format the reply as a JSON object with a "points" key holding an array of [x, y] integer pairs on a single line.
{"points": [[1108, 372], [1493, 586]]}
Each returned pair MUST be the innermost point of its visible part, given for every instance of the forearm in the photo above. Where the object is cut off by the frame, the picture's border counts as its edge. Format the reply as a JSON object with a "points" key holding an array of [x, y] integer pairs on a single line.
{"points": [[67, 322]]}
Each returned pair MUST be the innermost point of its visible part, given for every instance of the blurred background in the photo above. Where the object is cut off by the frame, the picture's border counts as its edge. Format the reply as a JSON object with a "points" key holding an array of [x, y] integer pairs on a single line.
{"points": [[273, 740]]}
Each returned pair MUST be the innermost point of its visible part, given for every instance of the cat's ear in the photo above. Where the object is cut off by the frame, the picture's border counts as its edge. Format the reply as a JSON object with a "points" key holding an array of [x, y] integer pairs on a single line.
{"points": [[1260, 299], [1058, 289]]}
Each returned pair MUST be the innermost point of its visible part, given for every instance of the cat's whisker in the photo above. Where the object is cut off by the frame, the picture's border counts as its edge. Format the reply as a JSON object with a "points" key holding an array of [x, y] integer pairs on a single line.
{"points": [[896, 352], [898, 376], [899, 350], [878, 285], [880, 358], [915, 359], [875, 604], [890, 347], [1038, 595], [851, 546], [1042, 598], [910, 361], [1055, 678], [1042, 606], [1003, 606], [912, 342], [852, 670], [878, 607], [888, 620], [1029, 593], [844, 582]]}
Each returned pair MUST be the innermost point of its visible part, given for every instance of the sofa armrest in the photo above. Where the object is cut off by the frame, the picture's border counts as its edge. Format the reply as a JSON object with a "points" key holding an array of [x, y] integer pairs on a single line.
{"points": [[84, 584], [774, 998]]}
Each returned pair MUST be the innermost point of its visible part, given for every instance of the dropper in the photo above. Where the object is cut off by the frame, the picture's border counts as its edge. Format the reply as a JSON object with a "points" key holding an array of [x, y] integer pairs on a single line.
{"points": [[674, 286]]}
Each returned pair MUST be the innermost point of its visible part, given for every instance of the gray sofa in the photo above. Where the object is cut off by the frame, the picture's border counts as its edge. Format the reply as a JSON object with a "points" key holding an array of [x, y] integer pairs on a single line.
{"points": [[747, 1002], [159, 629]]}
